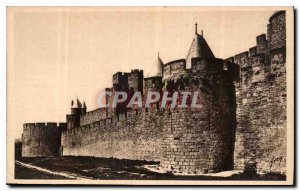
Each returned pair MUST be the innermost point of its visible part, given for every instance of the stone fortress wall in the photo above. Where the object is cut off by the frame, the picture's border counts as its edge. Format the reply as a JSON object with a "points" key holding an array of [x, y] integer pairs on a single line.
{"points": [[93, 116], [132, 135], [177, 142], [41, 139], [261, 102], [241, 124]]}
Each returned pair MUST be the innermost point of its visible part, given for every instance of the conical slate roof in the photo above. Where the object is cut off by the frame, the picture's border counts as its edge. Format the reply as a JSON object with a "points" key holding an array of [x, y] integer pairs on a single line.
{"points": [[159, 66], [199, 48], [77, 104]]}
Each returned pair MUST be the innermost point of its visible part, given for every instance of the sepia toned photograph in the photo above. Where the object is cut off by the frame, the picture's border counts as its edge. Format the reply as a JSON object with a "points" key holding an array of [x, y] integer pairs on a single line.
{"points": [[150, 95]]}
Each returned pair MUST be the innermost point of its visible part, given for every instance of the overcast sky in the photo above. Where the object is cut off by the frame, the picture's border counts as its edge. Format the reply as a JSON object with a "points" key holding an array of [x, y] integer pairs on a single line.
{"points": [[58, 54]]}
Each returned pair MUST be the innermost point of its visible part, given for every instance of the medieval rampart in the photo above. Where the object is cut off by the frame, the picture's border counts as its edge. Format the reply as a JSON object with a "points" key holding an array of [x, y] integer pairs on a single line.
{"points": [[135, 135], [240, 122], [261, 103]]}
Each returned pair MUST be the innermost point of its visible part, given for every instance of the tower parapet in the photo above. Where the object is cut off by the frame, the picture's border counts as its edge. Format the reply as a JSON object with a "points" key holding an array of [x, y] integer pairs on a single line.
{"points": [[152, 84], [267, 56], [174, 70], [135, 80], [262, 43], [77, 109], [120, 81], [277, 30]]}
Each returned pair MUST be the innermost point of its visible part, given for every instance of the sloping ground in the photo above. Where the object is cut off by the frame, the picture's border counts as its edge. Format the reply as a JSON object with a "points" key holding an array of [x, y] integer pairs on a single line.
{"points": [[50, 172], [22, 172], [122, 169]]}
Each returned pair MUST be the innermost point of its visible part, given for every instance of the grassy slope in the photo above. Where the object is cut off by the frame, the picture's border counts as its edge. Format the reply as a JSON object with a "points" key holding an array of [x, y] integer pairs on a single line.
{"points": [[122, 169]]}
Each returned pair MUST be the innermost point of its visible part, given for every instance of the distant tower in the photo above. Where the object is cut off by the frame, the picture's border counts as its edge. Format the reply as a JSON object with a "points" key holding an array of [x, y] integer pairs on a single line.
{"points": [[76, 107], [135, 80], [199, 49], [159, 66], [73, 119]]}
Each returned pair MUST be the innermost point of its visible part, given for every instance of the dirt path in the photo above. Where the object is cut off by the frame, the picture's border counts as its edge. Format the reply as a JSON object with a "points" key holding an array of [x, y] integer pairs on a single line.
{"points": [[63, 174]]}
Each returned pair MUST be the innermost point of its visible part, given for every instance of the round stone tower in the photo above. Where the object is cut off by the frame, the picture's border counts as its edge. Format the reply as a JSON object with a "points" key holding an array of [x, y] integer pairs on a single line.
{"points": [[41, 139], [277, 30], [201, 139]]}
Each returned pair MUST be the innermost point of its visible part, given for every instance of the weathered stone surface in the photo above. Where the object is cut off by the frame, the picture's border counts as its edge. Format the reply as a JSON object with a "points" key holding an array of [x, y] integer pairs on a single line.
{"points": [[260, 143], [41, 139], [241, 123], [201, 140], [134, 136]]}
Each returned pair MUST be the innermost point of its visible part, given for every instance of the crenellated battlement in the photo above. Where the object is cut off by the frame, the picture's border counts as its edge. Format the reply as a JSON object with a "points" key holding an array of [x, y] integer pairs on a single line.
{"points": [[99, 117], [136, 71], [261, 96], [120, 81], [174, 70], [123, 120], [138, 134], [94, 115], [207, 66], [135, 80], [44, 125], [263, 60]]}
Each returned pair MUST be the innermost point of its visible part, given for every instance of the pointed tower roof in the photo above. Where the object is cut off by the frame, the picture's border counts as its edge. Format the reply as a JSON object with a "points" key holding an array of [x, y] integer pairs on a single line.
{"points": [[199, 48], [159, 66], [77, 104], [84, 106]]}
